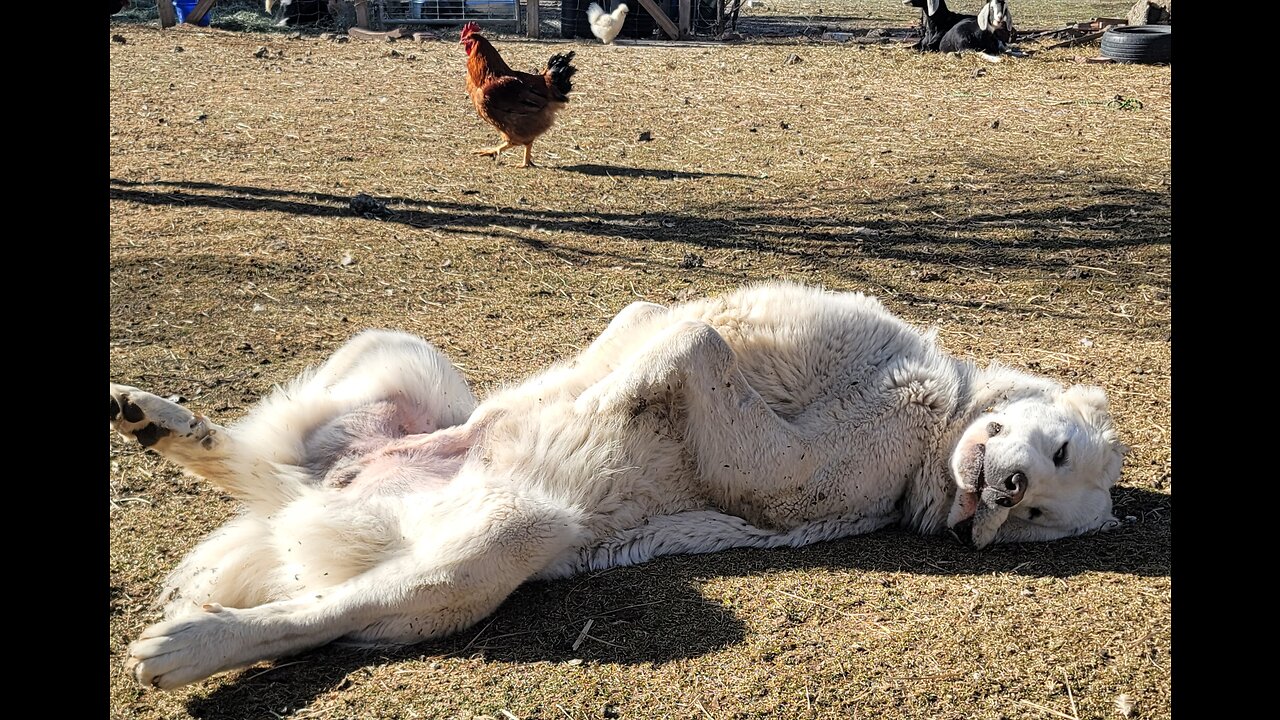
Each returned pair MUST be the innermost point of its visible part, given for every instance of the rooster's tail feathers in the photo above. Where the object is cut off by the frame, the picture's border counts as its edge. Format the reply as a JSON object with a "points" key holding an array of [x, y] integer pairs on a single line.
{"points": [[561, 72], [594, 11]]}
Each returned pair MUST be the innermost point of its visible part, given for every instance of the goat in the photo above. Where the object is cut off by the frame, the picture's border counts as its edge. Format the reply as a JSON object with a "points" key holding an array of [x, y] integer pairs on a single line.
{"points": [[296, 12], [935, 20], [988, 34]]}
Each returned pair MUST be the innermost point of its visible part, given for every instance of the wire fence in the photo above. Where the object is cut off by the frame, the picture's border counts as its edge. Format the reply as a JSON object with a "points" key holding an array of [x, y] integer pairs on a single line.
{"points": [[566, 19], [247, 15]]}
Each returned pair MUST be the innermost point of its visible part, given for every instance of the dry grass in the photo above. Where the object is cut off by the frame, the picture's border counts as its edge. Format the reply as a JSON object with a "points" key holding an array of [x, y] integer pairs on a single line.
{"points": [[1016, 210]]}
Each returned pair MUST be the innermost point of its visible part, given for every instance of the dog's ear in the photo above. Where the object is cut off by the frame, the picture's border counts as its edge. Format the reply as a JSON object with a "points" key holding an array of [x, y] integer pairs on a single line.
{"points": [[1086, 398], [1091, 402]]}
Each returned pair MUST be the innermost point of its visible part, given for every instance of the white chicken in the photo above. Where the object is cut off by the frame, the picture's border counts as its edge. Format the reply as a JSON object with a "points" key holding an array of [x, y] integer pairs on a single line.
{"points": [[606, 26]]}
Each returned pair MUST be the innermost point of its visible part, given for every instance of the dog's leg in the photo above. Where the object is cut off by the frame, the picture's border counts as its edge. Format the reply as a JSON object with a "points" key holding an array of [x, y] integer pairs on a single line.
{"points": [[704, 531], [199, 445], [627, 319], [234, 566], [202, 447], [477, 544], [382, 364], [744, 451], [379, 383]]}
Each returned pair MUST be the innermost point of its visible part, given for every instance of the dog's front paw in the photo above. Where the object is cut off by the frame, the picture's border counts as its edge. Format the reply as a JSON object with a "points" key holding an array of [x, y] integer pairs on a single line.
{"points": [[178, 652], [592, 400], [149, 419]]}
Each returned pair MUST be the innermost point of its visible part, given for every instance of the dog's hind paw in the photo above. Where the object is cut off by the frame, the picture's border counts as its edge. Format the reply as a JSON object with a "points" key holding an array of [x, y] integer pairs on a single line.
{"points": [[149, 419], [179, 652]]}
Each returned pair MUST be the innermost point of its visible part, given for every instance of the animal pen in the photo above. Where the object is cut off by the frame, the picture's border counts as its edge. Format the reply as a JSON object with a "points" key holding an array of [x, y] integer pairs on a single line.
{"points": [[669, 19]]}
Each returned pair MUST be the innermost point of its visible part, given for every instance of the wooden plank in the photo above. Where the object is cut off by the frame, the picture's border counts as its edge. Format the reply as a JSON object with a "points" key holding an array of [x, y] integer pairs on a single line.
{"points": [[362, 14], [168, 15], [661, 18], [1077, 41], [359, 33], [531, 19], [202, 7], [686, 19]]}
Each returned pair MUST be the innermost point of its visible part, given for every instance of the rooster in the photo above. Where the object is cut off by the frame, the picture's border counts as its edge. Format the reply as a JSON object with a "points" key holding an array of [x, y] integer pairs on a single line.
{"points": [[521, 106], [606, 26]]}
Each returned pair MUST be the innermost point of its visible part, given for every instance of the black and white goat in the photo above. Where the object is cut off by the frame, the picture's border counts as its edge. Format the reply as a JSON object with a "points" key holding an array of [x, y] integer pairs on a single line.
{"points": [[297, 12], [935, 20], [989, 34]]}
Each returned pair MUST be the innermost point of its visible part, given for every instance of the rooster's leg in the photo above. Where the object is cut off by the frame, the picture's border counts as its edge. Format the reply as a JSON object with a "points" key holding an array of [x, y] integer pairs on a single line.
{"points": [[528, 156], [493, 152]]}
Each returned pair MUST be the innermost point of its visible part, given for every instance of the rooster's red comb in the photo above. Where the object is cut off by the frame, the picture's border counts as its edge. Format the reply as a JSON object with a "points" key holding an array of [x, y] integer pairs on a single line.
{"points": [[469, 28]]}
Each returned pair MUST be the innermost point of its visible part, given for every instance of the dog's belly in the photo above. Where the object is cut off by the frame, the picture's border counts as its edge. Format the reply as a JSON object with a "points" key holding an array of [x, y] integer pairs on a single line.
{"points": [[416, 463]]}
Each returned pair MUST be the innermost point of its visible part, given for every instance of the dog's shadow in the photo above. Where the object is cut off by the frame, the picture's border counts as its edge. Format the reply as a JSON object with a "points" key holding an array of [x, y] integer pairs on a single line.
{"points": [[655, 613]]}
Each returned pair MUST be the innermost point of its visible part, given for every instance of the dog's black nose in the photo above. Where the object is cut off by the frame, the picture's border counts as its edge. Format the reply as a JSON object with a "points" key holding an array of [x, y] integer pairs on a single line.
{"points": [[1007, 492]]}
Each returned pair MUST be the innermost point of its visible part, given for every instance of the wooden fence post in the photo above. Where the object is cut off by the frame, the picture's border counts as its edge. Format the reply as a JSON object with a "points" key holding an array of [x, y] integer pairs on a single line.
{"points": [[661, 18], [168, 15], [531, 19], [202, 7]]}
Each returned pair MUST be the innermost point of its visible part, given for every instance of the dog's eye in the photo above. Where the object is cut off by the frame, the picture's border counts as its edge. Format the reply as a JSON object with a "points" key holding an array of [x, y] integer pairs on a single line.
{"points": [[1060, 456]]}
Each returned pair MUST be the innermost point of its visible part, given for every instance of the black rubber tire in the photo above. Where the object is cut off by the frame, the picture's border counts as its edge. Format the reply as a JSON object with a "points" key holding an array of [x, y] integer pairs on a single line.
{"points": [[1138, 43]]}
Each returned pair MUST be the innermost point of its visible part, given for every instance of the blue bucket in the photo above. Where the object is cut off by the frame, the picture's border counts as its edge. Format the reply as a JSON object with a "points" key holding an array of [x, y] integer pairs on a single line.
{"points": [[184, 7]]}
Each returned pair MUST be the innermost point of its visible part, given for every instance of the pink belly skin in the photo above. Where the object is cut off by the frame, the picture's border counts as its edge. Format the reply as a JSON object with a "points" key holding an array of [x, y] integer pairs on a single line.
{"points": [[415, 463]]}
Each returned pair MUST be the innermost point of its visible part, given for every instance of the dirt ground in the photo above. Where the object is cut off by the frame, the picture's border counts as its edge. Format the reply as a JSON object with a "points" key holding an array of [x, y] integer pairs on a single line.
{"points": [[1022, 208]]}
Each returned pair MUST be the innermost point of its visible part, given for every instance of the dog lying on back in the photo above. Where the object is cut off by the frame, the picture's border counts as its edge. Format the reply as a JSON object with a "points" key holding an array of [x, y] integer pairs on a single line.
{"points": [[383, 504], [988, 34]]}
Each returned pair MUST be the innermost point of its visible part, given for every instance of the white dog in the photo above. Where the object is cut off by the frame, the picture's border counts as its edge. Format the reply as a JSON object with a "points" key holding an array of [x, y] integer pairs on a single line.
{"points": [[384, 506]]}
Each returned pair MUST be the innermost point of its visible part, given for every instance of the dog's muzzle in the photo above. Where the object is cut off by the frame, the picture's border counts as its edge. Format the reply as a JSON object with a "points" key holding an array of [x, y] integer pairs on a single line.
{"points": [[1007, 492]]}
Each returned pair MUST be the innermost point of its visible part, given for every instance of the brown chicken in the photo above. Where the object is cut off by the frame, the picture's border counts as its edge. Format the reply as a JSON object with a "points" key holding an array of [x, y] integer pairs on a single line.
{"points": [[522, 106]]}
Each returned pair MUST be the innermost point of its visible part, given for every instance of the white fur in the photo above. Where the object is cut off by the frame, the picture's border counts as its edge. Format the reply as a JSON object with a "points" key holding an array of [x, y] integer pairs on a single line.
{"points": [[606, 25], [383, 505]]}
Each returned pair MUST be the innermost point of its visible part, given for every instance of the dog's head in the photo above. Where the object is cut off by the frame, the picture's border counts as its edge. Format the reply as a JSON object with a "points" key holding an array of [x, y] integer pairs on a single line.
{"points": [[1039, 468]]}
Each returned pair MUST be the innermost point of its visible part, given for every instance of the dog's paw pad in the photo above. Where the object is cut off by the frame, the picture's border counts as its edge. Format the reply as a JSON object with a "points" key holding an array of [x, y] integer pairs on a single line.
{"points": [[150, 434], [130, 411], [149, 419]]}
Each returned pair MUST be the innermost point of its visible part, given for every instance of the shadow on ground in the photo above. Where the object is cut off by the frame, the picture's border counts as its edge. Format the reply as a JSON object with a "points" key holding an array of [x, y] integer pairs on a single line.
{"points": [[655, 613], [940, 226]]}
